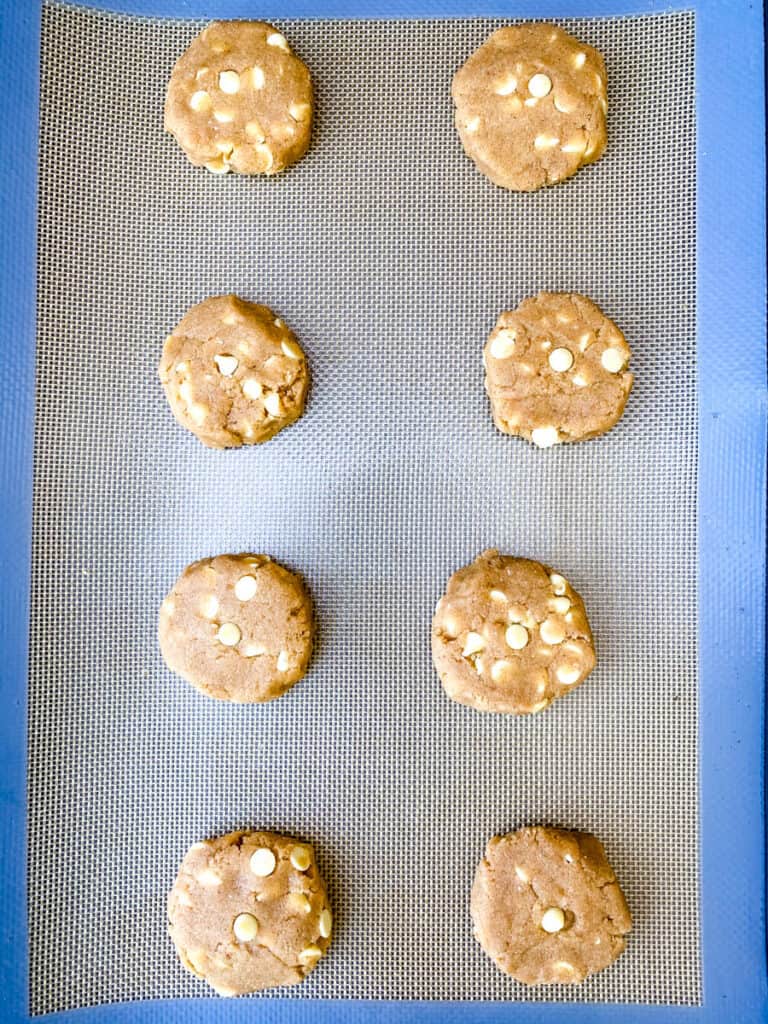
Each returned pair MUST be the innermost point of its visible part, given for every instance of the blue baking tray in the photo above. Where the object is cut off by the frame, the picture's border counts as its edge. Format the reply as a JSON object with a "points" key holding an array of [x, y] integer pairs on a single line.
{"points": [[731, 337]]}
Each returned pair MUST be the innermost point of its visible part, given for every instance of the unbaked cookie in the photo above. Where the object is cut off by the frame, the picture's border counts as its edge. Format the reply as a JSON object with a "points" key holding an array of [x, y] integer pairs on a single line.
{"points": [[556, 370], [238, 627], [531, 105], [249, 911], [546, 906], [233, 373], [510, 635], [239, 100]]}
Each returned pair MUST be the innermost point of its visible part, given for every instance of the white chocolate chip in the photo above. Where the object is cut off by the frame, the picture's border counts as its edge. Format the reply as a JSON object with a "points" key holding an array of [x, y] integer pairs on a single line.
{"points": [[251, 388], [539, 85], [253, 650], [266, 155], [272, 404], [201, 73], [545, 141], [254, 131], [257, 77], [473, 644], [553, 920], [231, 318], [225, 147], [229, 82], [325, 923], [283, 662], [263, 862], [564, 104], [507, 86], [299, 111], [575, 144], [531, 101], [535, 708], [579, 59], [451, 626], [278, 40], [552, 632], [224, 116], [500, 669], [245, 588], [521, 874], [516, 636], [568, 674], [209, 606], [184, 898], [291, 350], [545, 437], [199, 413], [200, 101], [208, 878], [612, 360], [168, 607], [226, 364], [472, 125], [310, 953], [564, 967], [299, 902], [301, 858], [185, 391], [503, 345], [245, 927], [558, 583], [560, 605], [578, 381], [228, 634], [498, 595], [560, 359], [568, 858]]}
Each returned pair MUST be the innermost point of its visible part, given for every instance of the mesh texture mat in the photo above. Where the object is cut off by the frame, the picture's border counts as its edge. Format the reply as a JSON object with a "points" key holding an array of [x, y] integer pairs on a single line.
{"points": [[390, 257]]}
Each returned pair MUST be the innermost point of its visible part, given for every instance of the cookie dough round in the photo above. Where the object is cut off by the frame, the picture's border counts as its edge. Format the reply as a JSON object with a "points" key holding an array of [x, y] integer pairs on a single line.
{"points": [[546, 906], [238, 627], [510, 635], [249, 911], [239, 100], [233, 373], [556, 370], [531, 105]]}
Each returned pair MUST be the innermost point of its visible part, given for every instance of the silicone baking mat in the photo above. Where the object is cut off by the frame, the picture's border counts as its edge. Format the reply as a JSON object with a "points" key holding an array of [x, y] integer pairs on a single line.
{"points": [[390, 258]]}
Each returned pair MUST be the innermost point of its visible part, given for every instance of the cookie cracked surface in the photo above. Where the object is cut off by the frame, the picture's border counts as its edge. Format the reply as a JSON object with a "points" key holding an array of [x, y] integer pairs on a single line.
{"points": [[510, 635], [547, 907], [238, 628], [249, 911], [531, 105], [233, 373], [556, 370], [239, 100]]}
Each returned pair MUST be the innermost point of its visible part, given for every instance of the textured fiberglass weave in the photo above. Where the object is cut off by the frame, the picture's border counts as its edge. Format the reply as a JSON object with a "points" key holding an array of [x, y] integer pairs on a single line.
{"points": [[390, 257]]}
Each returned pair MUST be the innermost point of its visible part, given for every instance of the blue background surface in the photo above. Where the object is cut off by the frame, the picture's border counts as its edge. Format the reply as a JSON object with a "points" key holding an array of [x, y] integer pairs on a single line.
{"points": [[732, 424]]}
